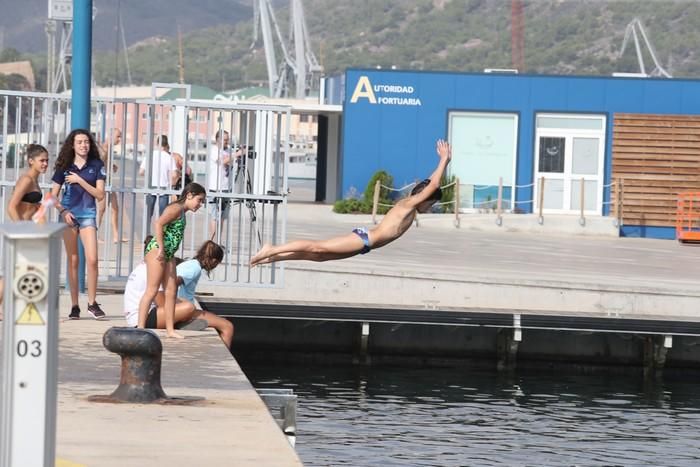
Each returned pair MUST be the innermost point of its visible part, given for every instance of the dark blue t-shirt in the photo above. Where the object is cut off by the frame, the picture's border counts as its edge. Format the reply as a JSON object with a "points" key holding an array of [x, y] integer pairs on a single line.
{"points": [[78, 201]]}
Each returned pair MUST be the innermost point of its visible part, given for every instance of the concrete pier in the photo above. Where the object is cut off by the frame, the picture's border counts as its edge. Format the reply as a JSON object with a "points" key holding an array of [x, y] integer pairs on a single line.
{"points": [[231, 426]]}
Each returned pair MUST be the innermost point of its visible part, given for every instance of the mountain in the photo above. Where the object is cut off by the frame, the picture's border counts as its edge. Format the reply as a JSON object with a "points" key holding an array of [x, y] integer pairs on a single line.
{"points": [[561, 37], [22, 21]]}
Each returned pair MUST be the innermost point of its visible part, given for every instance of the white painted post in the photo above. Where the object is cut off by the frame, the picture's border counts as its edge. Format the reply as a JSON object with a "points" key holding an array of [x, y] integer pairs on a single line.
{"points": [[456, 201], [540, 218], [582, 219], [375, 200], [499, 205], [32, 257]]}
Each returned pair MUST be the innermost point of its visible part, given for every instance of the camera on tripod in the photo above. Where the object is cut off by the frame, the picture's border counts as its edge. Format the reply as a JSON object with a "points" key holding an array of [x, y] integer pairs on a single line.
{"points": [[251, 154]]}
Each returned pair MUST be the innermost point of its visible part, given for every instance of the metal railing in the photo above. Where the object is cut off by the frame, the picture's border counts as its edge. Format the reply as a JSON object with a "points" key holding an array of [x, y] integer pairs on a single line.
{"points": [[256, 195]]}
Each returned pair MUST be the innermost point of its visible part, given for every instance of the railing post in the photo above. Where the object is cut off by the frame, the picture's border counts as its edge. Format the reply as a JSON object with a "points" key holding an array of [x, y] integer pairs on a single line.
{"points": [[375, 200], [499, 202], [615, 205], [582, 219], [621, 206], [540, 201], [456, 201]]}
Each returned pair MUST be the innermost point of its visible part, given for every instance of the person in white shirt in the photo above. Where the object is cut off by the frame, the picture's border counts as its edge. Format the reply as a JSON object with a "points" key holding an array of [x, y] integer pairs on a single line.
{"points": [[208, 257], [220, 168], [164, 174], [135, 287]]}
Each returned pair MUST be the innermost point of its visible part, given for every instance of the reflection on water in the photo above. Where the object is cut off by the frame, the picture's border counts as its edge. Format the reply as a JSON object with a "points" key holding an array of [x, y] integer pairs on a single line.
{"points": [[451, 417]]}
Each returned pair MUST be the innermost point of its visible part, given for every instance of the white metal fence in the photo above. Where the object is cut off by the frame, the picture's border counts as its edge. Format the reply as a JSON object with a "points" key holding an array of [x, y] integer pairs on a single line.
{"points": [[255, 195]]}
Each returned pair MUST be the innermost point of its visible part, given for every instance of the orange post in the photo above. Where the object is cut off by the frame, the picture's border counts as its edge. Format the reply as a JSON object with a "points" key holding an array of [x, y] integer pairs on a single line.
{"points": [[688, 217]]}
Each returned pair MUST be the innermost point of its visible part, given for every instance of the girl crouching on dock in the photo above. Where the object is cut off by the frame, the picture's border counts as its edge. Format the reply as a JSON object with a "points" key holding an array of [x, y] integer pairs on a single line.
{"points": [[189, 272]]}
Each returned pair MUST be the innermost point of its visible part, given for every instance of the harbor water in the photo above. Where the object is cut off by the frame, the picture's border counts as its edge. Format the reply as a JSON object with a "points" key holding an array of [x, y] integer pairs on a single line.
{"points": [[459, 417]]}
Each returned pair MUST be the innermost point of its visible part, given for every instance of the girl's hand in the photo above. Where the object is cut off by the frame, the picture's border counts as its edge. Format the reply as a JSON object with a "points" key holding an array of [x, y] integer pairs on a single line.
{"points": [[69, 218], [73, 178], [161, 254]]}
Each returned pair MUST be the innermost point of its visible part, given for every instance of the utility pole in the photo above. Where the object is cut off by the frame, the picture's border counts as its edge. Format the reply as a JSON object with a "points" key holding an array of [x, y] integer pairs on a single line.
{"points": [[181, 63]]}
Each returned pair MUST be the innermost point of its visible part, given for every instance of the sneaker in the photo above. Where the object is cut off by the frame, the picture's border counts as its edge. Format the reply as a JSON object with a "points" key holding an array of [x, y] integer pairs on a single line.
{"points": [[74, 312], [96, 311]]}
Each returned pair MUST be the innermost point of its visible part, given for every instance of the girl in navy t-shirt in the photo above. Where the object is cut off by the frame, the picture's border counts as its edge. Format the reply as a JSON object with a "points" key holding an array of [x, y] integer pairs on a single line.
{"points": [[80, 169]]}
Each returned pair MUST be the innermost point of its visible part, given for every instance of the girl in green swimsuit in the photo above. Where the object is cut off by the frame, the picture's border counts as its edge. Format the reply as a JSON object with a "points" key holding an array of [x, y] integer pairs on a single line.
{"points": [[160, 266]]}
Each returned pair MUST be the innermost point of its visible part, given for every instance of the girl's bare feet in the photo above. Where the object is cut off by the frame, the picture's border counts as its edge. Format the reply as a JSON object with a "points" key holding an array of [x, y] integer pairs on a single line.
{"points": [[175, 334], [261, 255]]}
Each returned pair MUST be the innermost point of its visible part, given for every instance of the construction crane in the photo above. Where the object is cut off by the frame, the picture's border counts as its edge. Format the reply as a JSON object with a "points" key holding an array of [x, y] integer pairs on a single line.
{"points": [[517, 30], [301, 68], [635, 29]]}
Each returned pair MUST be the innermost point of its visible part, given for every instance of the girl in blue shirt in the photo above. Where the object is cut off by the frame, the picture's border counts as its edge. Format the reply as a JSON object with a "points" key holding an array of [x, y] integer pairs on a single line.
{"points": [[189, 272], [81, 172]]}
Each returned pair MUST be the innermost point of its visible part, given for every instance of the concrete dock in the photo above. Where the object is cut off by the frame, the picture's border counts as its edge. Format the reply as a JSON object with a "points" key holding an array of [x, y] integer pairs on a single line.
{"points": [[557, 267], [232, 426], [435, 266]]}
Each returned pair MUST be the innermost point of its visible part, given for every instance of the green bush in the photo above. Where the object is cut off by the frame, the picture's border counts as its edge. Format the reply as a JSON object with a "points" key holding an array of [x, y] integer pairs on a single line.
{"points": [[386, 180], [354, 205], [384, 193]]}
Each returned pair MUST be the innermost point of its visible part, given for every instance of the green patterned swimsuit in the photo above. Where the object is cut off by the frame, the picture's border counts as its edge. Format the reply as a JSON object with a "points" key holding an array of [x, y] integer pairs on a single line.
{"points": [[172, 237]]}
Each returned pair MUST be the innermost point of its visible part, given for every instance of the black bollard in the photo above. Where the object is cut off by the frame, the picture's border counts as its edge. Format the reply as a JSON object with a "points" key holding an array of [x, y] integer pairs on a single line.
{"points": [[141, 353]]}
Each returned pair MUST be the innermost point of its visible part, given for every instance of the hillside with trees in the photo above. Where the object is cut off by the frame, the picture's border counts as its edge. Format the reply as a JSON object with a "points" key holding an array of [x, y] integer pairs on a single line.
{"points": [[561, 37]]}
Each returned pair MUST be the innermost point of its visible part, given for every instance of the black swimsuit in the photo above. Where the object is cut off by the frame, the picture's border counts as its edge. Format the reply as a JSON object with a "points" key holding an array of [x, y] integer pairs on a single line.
{"points": [[33, 197]]}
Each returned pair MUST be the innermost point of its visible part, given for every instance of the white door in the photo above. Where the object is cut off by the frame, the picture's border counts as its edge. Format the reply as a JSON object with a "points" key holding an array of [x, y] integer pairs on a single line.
{"points": [[569, 151]]}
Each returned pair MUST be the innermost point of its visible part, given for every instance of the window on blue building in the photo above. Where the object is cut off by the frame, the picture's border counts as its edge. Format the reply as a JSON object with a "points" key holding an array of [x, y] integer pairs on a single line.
{"points": [[484, 147]]}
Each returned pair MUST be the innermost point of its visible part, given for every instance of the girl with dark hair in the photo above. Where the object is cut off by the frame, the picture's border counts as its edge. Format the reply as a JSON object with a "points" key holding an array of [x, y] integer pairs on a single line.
{"points": [[189, 272], [160, 252], [81, 170], [360, 241], [26, 197]]}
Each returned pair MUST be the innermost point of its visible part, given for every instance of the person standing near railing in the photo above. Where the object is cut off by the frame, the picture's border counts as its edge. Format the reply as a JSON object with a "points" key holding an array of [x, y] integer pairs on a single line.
{"points": [[394, 224], [106, 155], [26, 196], [219, 167], [163, 173], [81, 172]]}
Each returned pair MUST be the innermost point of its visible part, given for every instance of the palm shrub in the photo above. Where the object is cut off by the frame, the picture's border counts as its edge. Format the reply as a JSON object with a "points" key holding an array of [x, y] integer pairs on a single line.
{"points": [[363, 205], [387, 182]]}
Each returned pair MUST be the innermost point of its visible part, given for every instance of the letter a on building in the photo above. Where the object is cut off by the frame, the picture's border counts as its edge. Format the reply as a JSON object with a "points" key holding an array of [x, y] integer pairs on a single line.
{"points": [[363, 89]]}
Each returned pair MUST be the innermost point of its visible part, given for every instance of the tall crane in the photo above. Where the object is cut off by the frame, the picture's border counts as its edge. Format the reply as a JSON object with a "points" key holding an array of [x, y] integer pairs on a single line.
{"points": [[517, 30], [633, 28], [301, 67]]}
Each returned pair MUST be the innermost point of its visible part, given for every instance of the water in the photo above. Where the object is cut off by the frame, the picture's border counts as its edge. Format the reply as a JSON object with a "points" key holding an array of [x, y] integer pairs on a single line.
{"points": [[456, 417]]}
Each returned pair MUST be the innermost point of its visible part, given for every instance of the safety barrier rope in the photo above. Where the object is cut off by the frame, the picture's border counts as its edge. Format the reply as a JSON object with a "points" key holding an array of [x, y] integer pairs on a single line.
{"points": [[410, 185]]}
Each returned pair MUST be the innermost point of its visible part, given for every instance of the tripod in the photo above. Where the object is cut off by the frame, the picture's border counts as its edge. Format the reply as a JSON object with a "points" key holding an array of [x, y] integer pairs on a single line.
{"points": [[242, 171]]}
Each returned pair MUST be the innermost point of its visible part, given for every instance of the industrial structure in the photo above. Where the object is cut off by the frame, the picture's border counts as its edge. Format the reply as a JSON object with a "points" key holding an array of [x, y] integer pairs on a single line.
{"points": [[299, 70]]}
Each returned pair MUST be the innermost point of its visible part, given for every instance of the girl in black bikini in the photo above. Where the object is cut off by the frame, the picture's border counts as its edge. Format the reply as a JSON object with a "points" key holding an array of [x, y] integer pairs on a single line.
{"points": [[26, 197]]}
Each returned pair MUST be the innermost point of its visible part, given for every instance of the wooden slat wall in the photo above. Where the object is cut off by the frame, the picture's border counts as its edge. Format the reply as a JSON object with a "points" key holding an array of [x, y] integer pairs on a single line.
{"points": [[657, 156]]}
